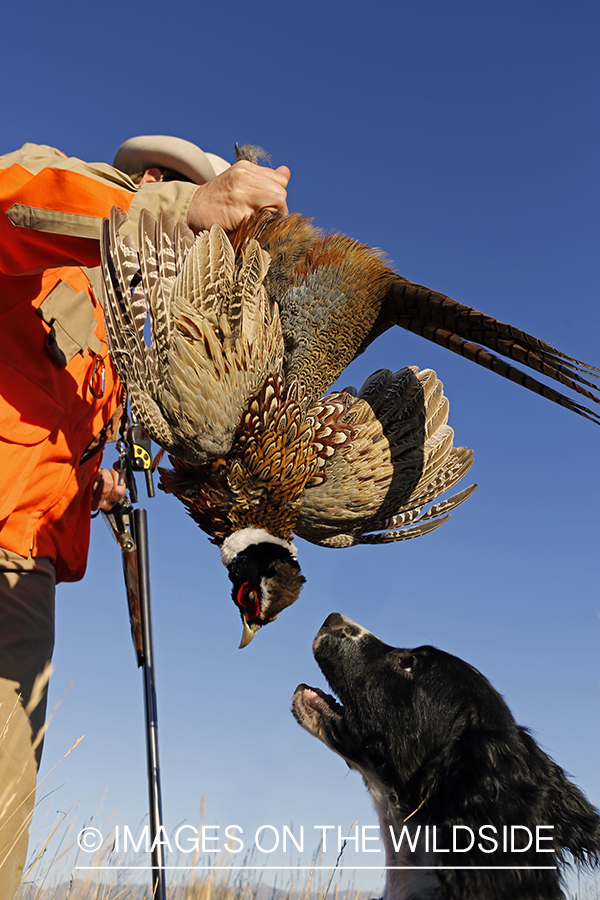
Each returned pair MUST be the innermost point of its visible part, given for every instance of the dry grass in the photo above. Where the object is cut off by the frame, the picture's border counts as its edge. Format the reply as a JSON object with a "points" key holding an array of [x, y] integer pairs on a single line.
{"points": [[52, 875], [51, 872], [216, 884]]}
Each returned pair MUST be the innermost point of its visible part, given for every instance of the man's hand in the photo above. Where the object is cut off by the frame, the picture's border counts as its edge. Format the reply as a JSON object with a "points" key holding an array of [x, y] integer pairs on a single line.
{"points": [[237, 193], [108, 488]]}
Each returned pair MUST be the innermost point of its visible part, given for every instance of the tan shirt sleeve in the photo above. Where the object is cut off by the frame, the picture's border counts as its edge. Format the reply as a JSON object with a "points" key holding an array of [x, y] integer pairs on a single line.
{"points": [[173, 197]]}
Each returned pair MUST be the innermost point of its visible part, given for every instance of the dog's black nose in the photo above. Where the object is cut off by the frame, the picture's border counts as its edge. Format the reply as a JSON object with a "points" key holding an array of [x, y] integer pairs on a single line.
{"points": [[340, 626], [332, 620]]}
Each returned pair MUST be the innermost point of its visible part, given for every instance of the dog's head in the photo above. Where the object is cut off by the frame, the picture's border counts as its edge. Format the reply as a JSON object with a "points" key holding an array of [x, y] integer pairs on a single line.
{"points": [[434, 736], [398, 706]]}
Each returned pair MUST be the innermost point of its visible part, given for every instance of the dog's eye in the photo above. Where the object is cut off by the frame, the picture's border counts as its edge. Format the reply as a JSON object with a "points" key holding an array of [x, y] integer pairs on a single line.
{"points": [[407, 663]]}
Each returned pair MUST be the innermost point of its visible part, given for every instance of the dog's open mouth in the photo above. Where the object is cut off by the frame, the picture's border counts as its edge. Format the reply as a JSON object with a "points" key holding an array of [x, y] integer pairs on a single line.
{"points": [[315, 710]]}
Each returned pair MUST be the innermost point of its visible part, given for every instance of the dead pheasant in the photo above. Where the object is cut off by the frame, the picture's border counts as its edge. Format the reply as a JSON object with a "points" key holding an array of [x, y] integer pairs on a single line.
{"points": [[235, 395], [246, 338]]}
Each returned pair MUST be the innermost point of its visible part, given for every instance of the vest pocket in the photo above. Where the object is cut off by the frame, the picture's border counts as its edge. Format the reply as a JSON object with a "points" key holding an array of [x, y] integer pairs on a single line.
{"points": [[71, 317]]}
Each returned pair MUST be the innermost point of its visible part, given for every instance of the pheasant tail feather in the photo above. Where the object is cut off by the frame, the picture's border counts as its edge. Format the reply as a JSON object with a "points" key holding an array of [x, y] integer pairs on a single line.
{"points": [[473, 335]]}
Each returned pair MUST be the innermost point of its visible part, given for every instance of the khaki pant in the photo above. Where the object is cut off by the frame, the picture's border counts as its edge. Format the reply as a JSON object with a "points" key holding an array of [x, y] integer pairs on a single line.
{"points": [[26, 644]]}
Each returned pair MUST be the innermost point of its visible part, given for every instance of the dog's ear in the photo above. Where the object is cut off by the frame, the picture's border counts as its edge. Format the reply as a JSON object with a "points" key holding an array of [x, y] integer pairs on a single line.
{"points": [[576, 822], [479, 771], [464, 778]]}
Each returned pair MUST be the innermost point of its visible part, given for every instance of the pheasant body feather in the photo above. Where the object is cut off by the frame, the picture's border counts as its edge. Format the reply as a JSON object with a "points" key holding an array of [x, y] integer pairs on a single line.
{"points": [[260, 482]]}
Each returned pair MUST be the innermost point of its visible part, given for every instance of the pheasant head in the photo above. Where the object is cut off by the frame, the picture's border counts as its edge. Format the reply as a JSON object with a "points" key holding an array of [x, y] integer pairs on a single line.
{"points": [[265, 575]]}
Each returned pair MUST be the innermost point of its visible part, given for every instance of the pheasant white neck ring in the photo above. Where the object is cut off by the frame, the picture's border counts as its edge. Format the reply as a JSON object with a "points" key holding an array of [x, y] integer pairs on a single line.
{"points": [[241, 540]]}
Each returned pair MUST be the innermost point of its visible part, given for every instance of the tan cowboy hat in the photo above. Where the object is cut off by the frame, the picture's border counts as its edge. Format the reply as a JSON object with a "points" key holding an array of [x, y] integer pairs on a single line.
{"points": [[150, 150]]}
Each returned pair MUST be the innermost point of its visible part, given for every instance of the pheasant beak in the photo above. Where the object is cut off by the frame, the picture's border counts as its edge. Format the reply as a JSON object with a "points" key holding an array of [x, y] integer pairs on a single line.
{"points": [[248, 633]]}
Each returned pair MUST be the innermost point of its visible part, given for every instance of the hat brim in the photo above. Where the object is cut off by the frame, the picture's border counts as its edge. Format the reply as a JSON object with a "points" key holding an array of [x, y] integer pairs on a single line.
{"points": [[159, 150]]}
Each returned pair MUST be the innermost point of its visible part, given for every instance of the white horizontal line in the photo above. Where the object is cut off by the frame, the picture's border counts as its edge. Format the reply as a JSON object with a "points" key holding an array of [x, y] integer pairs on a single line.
{"points": [[312, 868]]}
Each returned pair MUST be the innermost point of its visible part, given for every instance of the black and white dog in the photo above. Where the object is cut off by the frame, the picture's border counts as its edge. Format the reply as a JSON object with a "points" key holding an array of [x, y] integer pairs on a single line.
{"points": [[457, 784]]}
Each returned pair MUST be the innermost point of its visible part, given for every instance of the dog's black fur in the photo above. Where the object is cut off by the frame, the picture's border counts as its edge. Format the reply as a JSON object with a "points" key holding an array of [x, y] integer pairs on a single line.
{"points": [[438, 746]]}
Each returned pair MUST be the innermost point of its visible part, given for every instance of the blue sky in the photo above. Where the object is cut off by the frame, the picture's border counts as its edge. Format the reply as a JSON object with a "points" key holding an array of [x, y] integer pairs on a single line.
{"points": [[461, 138]]}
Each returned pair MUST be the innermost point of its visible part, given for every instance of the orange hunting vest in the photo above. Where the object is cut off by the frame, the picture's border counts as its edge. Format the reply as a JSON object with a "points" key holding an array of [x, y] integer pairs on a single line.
{"points": [[59, 393]]}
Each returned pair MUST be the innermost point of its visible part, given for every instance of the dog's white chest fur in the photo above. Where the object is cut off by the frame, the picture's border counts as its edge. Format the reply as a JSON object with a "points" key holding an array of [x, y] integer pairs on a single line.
{"points": [[409, 882]]}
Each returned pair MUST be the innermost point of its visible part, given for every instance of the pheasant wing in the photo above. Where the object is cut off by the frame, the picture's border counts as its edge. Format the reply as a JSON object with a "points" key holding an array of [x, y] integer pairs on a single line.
{"points": [[214, 335], [125, 315], [372, 487], [225, 341]]}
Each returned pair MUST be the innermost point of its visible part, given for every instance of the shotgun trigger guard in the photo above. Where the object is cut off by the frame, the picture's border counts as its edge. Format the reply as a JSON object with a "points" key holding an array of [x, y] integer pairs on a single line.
{"points": [[119, 520]]}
